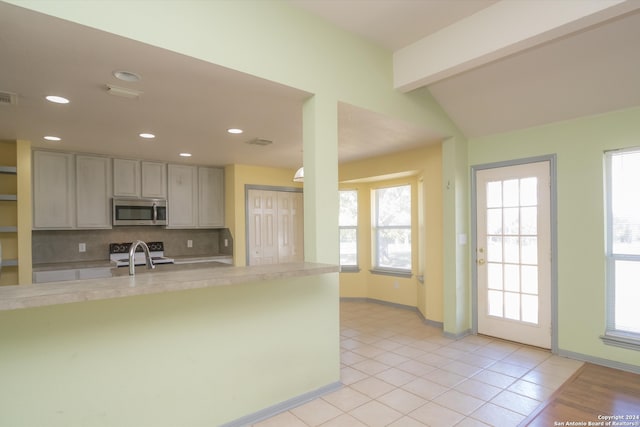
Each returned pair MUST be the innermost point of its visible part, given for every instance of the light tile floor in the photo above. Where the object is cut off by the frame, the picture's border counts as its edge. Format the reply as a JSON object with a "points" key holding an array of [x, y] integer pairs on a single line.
{"points": [[399, 372]]}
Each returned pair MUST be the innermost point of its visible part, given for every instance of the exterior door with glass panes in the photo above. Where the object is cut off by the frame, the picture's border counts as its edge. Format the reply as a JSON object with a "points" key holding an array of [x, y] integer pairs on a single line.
{"points": [[513, 253]]}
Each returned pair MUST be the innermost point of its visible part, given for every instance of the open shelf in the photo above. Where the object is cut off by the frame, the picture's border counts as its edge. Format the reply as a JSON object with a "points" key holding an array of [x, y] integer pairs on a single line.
{"points": [[9, 262], [8, 197], [8, 229], [8, 169]]}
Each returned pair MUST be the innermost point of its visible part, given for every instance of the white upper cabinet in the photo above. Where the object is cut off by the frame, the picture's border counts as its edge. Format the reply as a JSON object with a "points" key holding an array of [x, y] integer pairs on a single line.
{"points": [[93, 192], [53, 190], [196, 197], [133, 178], [182, 201], [210, 197], [126, 178], [154, 180], [75, 190]]}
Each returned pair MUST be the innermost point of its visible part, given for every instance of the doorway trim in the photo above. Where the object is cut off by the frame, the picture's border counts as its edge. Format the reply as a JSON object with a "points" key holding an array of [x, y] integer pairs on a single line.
{"points": [[551, 158], [248, 187]]}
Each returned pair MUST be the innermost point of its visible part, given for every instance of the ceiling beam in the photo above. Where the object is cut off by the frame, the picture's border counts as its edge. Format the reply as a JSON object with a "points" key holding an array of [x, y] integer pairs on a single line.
{"points": [[502, 29]]}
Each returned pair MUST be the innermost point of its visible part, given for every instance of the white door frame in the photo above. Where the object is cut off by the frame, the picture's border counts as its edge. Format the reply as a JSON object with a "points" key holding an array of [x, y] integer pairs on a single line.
{"points": [[554, 240]]}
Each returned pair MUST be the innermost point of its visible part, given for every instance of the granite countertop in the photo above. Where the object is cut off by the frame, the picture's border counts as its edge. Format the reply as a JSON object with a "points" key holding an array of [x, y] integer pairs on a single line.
{"points": [[159, 280]]}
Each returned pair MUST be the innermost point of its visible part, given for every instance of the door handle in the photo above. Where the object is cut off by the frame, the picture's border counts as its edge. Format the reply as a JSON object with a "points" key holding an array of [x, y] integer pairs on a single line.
{"points": [[481, 261]]}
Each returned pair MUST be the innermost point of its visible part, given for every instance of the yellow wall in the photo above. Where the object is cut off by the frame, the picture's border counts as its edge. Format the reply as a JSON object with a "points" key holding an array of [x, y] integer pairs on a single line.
{"points": [[422, 164], [236, 178], [23, 155]]}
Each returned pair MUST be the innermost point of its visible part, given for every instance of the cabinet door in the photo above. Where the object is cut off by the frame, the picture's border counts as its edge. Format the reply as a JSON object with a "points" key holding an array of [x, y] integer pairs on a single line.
{"points": [[54, 276], [210, 197], [154, 180], [126, 178], [53, 190], [93, 192], [183, 196], [94, 273]]}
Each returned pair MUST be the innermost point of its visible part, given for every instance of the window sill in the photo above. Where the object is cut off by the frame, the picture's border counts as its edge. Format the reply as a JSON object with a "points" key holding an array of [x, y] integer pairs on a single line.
{"points": [[349, 269], [621, 339], [391, 272]]}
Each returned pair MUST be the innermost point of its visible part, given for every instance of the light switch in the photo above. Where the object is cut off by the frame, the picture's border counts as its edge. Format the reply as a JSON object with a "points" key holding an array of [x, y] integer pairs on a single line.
{"points": [[189, 243], [82, 247]]}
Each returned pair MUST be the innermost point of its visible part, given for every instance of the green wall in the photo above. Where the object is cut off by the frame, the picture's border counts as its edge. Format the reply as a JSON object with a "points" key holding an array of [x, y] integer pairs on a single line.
{"points": [[579, 146], [191, 358]]}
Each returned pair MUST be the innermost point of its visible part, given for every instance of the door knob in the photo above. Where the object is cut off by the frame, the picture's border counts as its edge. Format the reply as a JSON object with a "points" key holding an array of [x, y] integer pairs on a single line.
{"points": [[481, 261]]}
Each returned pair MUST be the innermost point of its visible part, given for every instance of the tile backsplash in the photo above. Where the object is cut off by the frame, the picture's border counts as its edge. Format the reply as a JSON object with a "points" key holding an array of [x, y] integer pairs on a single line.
{"points": [[51, 246]]}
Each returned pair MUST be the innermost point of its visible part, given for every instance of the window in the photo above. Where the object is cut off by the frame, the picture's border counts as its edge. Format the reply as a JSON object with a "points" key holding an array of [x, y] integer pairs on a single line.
{"points": [[623, 248], [348, 222], [392, 229]]}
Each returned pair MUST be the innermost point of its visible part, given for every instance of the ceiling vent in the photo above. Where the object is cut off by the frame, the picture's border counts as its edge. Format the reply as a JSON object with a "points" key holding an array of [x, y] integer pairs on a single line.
{"points": [[123, 92], [260, 141], [8, 98]]}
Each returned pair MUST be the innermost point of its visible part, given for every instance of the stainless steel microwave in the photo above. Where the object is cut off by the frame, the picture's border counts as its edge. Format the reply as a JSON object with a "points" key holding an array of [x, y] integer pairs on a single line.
{"points": [[139, 211]]}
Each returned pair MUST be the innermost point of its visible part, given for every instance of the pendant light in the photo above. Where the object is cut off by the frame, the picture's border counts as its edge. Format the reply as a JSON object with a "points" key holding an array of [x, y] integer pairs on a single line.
{"points": [[299, 176]]}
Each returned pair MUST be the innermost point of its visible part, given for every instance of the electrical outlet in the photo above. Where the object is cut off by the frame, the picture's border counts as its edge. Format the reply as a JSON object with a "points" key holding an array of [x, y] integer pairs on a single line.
{"points": [[82, 247], [396, 284], [226, 243], [189, 243]]}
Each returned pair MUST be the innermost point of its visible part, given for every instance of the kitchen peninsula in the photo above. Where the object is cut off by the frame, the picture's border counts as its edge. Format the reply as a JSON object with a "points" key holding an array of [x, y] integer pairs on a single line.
{"points": [[16, 297], [203, 346]]}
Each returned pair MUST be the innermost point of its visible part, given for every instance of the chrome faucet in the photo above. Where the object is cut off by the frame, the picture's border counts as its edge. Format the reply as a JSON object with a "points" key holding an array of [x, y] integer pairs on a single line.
{"points": [[132, 261]]}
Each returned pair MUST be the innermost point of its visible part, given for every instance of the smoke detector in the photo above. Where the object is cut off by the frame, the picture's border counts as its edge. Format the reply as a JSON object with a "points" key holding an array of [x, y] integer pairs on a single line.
{"points": [[260, 141], [8, 98], [127, 76]]}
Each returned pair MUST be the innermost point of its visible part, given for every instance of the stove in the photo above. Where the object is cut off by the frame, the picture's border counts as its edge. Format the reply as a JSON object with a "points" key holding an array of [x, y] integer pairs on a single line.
{"points": [[119, 254]]}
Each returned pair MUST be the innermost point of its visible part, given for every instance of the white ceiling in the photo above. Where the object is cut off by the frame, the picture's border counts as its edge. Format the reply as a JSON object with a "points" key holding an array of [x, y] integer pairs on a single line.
{"points": [[189, 103], [591, 72]]}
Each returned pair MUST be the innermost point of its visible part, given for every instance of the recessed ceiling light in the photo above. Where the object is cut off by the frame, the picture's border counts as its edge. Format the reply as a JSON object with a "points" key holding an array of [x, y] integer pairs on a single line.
{"points": [[127, 76], [235, 130], [52, 138], [147, 135], [57, 99], [185, 154]]}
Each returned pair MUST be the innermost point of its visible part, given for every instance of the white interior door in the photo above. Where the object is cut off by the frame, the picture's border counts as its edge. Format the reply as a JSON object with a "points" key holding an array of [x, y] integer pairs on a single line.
{"points": [[513, 253], [290, 227], [262, 217], [275, 227]]}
